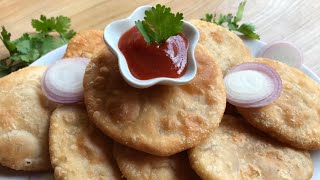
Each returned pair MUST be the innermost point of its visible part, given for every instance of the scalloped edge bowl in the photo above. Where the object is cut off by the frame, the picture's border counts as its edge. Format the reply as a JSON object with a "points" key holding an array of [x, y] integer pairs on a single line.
{"points": [[114, 31]]}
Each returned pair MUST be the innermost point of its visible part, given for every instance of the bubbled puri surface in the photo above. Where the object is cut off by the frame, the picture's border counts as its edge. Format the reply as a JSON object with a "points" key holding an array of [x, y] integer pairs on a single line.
{"points": [[24, 120], [294, 118], [86, 44], [143, 166], [237, 151], [77, 149], [226, 47], [161, 120]]}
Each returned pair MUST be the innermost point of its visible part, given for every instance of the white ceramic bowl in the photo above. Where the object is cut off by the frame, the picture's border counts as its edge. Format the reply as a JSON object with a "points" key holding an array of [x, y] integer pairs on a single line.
{"points": [[116, 29]]}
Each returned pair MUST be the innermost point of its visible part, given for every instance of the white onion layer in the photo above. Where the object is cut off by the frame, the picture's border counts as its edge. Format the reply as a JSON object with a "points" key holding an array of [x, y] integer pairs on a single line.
{"points": [[63, 80], [178, 52], [249, 85], [283, 51], [252, 85]]}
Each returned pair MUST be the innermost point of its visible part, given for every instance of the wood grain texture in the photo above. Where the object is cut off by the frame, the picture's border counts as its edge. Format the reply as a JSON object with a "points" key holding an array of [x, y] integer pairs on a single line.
{"points": [[293, 20]]}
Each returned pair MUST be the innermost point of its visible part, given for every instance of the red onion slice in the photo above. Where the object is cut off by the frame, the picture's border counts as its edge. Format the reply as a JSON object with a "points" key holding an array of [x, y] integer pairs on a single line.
{"points": [[252, 85], [63, 81], [282, 51]]}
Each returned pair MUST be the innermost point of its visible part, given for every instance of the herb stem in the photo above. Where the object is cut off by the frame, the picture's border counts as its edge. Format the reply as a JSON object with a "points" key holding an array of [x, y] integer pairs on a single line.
{"points": [[5, 59], [63, 39]]}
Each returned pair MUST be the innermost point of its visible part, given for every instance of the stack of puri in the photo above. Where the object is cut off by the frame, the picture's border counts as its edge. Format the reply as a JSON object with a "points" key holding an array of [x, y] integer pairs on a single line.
{"points": [[161, 132]]}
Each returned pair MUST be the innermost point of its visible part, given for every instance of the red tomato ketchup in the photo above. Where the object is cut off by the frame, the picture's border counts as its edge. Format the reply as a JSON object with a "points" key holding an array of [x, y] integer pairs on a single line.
{"points": [[151, 61]]}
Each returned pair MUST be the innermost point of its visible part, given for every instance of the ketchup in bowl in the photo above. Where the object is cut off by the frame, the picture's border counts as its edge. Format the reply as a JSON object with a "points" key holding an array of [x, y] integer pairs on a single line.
{"points": [[148, 61]]}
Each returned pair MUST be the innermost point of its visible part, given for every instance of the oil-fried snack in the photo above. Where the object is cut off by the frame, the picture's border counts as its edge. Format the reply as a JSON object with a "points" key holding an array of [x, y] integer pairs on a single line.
{"points": [[77, 149], [227, 48], [24, 120], [294, 118], [160, 120], [143, 166], [238, 151], [85, 44]]}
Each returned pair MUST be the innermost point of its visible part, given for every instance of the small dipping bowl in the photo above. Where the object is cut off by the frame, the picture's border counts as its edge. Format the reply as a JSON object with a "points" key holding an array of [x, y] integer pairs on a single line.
{"points": [[113, 33]]}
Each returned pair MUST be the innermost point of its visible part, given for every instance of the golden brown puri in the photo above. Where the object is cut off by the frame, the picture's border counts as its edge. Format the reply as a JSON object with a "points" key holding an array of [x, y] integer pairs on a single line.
{"points": [[161, 120], [238, 151], [77, 149], [139, 165], [24, 120], [227, 48], [85, 44], [294, 118]]}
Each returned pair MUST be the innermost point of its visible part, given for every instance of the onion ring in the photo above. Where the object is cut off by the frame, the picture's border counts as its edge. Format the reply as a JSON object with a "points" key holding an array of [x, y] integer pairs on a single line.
{"points": [[252, 85], [63, 81]]}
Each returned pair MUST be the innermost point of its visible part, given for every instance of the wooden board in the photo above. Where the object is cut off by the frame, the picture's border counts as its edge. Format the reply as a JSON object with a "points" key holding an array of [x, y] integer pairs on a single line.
{"points": [[293, 20]]}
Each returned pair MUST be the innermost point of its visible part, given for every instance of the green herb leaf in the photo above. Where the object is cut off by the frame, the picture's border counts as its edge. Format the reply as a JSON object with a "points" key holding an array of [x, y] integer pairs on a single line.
{"points": [[23, 44], [248, 30], [160, 24], [26, 57], [50, 42], [222, 19], [29, 47], [62, 24], [143, 31], [208, 18], [43, 25], [5, 37], [240, 11], [68, 35], [232, 27]]}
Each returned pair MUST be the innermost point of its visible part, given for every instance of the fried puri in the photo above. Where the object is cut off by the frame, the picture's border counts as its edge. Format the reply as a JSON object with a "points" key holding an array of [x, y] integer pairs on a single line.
{"points": [[237, 151], [227, 48], [85, 44], [139, 165], [160, 120], [294, 118], [24, 121], [77, 149]]}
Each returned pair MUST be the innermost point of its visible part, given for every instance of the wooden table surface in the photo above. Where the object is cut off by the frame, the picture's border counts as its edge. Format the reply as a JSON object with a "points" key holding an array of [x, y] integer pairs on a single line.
{"points": [[293, 20]]}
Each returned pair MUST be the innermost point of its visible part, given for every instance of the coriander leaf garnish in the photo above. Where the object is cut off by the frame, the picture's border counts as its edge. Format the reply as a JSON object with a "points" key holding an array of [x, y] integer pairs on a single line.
{"points": [[160, 24], [240, 11], [58, 24], [247, 29], [5, 38], [29, 47]]}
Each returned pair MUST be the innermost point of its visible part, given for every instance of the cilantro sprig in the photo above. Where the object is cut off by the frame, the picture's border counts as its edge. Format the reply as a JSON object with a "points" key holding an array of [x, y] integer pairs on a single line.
{"points": [[247, 29], [159, 24], [30, 46]]}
